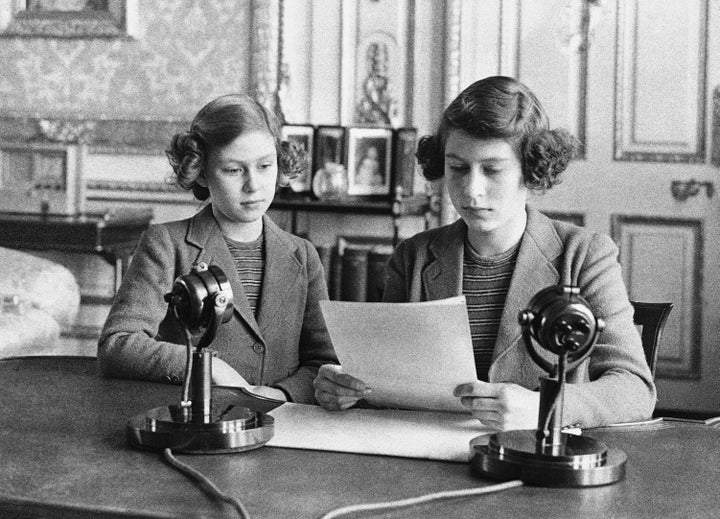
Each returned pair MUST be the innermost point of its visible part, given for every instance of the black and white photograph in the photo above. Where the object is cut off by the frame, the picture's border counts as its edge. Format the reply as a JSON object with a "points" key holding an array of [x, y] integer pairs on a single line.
{"points": [[483, 281], [329, 146], [369, 161], [303, 136]]}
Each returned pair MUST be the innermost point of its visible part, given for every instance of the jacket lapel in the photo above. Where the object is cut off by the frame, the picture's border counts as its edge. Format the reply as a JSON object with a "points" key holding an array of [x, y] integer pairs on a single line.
{"points": [[282, 273], [534, 270], [442, 278], [204, 233]]}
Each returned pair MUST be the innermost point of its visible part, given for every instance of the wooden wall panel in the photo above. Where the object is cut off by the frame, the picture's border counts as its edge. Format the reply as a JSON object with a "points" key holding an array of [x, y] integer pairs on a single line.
{"points": [[662, 261], [660, 81]]}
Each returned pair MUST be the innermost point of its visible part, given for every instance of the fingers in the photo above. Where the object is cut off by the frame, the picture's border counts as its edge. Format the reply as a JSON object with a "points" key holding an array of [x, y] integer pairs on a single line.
{"points": [[335, 390], [338, 377], [477, 389], [501, 406]]}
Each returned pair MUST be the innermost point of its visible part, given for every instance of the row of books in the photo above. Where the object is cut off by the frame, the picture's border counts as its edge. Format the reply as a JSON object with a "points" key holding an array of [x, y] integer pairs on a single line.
{"points": [[355, 267]]}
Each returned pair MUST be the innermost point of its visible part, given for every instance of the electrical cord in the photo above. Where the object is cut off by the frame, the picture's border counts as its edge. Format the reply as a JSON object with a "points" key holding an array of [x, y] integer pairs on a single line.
{"points": [[206, 484], [363, 507], [210, 487]]}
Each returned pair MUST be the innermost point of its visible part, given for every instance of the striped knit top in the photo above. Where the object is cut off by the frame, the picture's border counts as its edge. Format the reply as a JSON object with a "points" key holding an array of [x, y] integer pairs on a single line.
{"points": [[249, 260], [485, 284]]}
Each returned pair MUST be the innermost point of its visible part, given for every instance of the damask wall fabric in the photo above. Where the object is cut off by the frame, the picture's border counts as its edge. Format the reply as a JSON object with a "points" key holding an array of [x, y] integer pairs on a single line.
{"points": [[186, 53]]}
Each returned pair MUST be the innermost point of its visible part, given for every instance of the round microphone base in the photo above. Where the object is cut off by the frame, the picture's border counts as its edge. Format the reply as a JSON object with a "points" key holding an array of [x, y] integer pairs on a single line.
{"points": [[579, 461], [229, 429]]}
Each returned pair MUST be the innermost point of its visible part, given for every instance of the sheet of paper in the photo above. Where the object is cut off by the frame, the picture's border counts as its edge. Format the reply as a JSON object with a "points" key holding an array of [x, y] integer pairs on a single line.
{"points": [[412, 355], [389, 432]]}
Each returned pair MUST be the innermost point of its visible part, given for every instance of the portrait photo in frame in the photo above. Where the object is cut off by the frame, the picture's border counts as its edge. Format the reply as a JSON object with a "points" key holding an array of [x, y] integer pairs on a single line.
{"points": [[303, 135], [329, 146], [369, 161], [404, 162]]}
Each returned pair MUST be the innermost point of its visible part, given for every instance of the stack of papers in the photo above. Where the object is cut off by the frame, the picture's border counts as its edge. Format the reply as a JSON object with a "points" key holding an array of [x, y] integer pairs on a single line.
{"points": [[389, 432], [412, 355]]}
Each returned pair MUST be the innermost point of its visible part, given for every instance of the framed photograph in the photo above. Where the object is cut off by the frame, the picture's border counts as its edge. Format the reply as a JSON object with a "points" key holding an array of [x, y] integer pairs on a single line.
{"points": [[329, 146], [70, 18], [404, 147], [369, 161], [302, 135]]}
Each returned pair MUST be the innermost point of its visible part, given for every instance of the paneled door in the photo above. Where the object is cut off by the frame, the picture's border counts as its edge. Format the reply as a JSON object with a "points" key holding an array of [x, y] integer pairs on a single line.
{"points": [[638, 81]]}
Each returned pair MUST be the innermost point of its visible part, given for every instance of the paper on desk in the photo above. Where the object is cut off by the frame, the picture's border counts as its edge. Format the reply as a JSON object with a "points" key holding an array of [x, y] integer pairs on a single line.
{"points": [[390, 432], [412, 355]]}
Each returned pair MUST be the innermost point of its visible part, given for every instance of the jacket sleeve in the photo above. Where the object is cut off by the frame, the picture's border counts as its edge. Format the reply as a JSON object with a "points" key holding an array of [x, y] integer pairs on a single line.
{"points": [[315, 348], [127, 346], [620, 386]]}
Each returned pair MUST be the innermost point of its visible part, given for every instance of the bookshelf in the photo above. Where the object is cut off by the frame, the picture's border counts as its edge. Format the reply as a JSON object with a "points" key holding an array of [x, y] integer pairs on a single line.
{"points": [[355, 265], [395, 208]]}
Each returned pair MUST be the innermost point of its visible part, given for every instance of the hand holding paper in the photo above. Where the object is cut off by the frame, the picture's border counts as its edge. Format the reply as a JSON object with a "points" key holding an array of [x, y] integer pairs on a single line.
{"points": [[411, 355], [335, 390]]}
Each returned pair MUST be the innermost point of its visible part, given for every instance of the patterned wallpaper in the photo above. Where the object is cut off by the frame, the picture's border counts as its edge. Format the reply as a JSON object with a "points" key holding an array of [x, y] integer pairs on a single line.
{"points": [[186, 53]]}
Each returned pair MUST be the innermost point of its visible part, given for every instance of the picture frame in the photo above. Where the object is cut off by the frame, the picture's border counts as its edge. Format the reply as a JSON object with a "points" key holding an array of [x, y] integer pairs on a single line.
{"points": [[369, 161], [69, 19], [302, 135], [404, 162], [329, 146]]}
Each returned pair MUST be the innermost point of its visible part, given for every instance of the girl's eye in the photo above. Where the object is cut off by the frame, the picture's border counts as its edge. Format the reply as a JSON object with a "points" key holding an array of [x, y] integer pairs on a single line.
{"points": [[492, 171], [459, 168], [265, 165], [231, 171]]}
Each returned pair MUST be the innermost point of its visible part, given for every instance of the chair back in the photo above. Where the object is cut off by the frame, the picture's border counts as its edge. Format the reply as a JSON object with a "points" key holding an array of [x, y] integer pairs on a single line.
{"points": [[652, 317]]}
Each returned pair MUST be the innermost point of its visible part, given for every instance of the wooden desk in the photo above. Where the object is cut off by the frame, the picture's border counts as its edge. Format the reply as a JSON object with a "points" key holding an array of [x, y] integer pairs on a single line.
{"points": [[114, 236], [63, 452]]}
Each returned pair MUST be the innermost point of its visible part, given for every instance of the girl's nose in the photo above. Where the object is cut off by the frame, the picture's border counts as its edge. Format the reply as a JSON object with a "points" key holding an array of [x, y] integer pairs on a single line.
{"points": [[250, 183], [477, 183]]}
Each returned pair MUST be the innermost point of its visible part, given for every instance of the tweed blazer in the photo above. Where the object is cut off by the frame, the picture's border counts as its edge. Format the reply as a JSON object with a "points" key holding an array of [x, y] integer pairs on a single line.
{"points": [[282, 347], [615, 383]]}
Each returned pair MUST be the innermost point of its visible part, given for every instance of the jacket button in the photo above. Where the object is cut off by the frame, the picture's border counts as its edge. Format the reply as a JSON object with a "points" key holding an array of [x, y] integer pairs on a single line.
{"points": [[258, 348]]}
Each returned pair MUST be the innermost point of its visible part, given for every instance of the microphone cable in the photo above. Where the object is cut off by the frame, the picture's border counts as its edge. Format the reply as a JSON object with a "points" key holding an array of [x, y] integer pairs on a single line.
{"points": [[213, 490], [427, 498], [205, 483]]}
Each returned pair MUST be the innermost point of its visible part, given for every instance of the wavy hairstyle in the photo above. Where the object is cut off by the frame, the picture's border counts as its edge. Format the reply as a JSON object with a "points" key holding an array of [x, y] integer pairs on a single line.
{"points": [[500, 107], [216, 125]]}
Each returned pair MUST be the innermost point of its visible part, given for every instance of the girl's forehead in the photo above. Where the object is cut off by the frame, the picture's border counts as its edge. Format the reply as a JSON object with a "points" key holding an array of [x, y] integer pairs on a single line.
{"points": [[247, 146], [464, 145]]}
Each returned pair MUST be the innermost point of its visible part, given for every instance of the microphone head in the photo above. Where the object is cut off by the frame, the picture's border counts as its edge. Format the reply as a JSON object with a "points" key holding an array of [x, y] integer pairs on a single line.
{"points": [[561, 321]]}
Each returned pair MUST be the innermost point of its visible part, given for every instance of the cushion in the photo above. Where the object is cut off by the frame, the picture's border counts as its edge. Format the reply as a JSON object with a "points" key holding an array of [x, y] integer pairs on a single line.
{"points": [[27, 281]]}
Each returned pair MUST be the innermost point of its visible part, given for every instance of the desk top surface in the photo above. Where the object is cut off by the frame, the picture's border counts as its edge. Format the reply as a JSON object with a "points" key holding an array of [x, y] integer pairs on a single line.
{"points": [[63, 452]]}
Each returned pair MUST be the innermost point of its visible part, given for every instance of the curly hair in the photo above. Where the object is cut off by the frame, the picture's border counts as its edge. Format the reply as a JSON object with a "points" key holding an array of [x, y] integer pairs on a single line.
{"points": [[217, 124], [500, 107]]}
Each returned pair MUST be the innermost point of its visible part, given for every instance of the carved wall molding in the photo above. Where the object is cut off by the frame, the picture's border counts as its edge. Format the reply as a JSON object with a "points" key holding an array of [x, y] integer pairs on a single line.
{"points": [[265, 50], [643, 131], [453, 26], [662, 260]]}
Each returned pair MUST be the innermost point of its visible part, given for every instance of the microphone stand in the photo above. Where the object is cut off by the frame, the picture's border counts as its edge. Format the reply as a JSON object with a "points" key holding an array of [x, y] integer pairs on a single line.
{"points": [[201, 423], [560, 320]]}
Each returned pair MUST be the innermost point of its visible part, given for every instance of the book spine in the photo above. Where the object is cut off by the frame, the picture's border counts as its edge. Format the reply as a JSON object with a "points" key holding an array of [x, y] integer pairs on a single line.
{"points": [[377, 261], [336, 273], [354, 274]]}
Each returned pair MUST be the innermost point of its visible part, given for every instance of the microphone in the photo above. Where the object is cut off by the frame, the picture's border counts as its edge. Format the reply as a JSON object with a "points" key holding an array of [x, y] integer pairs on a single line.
{"points": [[201, 301], [559, 321]]}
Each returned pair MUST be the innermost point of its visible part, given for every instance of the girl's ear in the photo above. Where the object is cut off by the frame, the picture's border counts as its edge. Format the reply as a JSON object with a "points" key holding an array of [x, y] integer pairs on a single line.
{"points": [[201, 180]]}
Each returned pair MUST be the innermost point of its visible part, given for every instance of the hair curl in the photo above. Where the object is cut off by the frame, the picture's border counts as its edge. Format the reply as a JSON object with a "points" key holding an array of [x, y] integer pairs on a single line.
{"points": [[217, 124], [500, 107]]}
